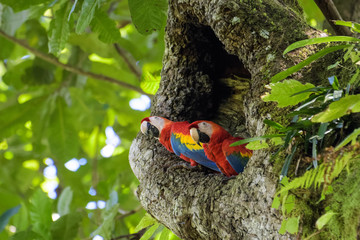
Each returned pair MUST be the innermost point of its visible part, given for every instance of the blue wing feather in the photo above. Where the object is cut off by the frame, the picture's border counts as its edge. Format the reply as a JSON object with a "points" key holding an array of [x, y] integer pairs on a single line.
{"points": [[192, 151], [237, 161]]}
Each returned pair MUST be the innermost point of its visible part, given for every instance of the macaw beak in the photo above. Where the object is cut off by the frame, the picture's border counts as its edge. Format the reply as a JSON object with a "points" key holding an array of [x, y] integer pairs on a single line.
{"points": [[148, 129], [194, 133]]}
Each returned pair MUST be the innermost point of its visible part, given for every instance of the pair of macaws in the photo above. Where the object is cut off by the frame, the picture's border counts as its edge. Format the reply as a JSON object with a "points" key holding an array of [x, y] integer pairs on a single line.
{"points": [[201, 142]]}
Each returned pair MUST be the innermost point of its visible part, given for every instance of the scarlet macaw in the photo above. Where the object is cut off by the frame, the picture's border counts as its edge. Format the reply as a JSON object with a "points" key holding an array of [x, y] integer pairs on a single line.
{"points": [[175, 137], [216, 142]]}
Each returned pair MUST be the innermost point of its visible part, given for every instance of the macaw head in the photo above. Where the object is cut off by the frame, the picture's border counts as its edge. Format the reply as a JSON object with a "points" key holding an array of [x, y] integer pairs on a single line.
{"points": [[206, 132], [153, 125]]}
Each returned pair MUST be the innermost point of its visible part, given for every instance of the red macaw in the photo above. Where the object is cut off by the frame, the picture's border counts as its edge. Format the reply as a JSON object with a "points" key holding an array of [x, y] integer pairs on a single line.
{"points": [[175, 137], [216, 142]]}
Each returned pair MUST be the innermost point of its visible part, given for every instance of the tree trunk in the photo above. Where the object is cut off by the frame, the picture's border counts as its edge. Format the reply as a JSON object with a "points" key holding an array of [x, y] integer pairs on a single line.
{"points": [[207, 41]]}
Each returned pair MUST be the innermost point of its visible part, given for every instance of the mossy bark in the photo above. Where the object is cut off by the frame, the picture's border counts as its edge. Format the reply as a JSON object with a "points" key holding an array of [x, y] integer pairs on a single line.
{"points": [[206, 41]]}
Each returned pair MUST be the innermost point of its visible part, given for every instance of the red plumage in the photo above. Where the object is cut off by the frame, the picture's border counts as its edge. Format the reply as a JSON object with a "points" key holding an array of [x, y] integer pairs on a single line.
{"points": [[230, 160]]}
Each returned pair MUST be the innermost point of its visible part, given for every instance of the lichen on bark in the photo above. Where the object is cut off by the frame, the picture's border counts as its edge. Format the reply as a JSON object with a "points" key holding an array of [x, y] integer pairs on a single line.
{"points": [[205, 41]]}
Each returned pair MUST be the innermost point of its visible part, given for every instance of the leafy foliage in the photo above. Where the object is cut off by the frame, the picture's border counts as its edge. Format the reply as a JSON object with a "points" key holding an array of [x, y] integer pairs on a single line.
{"points": [[69, 74], [148, 15], [324, 112]]}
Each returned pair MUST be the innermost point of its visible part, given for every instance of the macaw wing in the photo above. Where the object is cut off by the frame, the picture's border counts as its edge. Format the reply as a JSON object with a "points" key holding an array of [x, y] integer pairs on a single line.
{"points": [[237, 162], [183, 144], [237, 156]]}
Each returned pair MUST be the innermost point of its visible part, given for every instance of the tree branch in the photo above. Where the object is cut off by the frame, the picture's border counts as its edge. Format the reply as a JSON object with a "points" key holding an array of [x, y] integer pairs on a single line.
{"points": [[331, 13], [128, 60], [69, 68], [134, 236]]}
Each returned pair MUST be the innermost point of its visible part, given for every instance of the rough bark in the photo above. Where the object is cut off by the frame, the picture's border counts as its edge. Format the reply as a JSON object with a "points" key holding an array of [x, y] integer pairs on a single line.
{"points": [[205, 41]]}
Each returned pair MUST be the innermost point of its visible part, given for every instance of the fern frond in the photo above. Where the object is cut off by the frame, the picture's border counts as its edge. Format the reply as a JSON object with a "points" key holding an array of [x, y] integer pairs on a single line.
{"points": [[331, 167]]}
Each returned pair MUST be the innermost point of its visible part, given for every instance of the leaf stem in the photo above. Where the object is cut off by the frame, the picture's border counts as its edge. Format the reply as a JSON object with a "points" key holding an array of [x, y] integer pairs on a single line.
{"points": [[56, 62]]}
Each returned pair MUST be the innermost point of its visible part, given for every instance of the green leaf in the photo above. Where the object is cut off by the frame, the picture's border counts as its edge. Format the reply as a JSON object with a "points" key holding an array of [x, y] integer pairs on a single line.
{"points": [[28, 235], [324, 219], [354, 26], [146, 221], [63, 206], [150, 232], [264, 137], [351, 137], [334, 82], [66, 227], [23, 4], [273, 124], [276, 202], [40, 213], [292, 225], [59, 30], [86, 15], [148, 15], [150, 83], [256, 145], [311, 41], [108, 216], [5, 217], [107, 226], [105, 27], [62, 136], [164, 234], [11, 21], [282, 75], [346, 105], [282, 229], [283, 93], [289, 203]]}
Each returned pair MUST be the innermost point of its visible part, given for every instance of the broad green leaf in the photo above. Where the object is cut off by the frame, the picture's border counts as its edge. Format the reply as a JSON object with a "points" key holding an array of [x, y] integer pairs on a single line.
{"points": [[148, 15], [324, 219], [86, 15], [292, 225], [282, 75], [146, 221], [256, 145], [150, 83], [66, 227], [311, 41], [346, 105], [351, 137], [40, 213], [284, 93], [150, 232], [62, 136], [59, 30], [5, 217], [11, 21], [23, 4], [105, 27], [164, 234], [264, 137], [63, 206]]}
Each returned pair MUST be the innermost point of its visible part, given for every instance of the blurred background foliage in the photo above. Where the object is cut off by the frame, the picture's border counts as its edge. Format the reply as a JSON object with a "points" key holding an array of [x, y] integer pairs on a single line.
{"points": [[76, 78]]}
